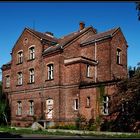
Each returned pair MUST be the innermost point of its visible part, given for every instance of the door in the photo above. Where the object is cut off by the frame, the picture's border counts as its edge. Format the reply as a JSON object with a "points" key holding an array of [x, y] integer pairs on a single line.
{"points": [[49, 108]]}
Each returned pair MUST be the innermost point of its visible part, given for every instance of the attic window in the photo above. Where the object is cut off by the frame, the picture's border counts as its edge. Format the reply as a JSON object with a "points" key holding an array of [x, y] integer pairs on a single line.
{"points": [[25, 41]]}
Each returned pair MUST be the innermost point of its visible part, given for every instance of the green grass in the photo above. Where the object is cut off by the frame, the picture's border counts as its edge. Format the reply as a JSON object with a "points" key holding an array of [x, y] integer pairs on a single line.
{"points": [[30, 131]]}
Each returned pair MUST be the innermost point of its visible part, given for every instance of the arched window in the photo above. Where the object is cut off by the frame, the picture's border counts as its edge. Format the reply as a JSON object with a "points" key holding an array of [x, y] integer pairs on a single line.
{"points": [[7, 81], [50, 72], [20, 57], [88, 102], [105, 105], [32, 76], [88, 70], [32, 53], [31, 107], [19, 79], [118, 56], [19, 108]]}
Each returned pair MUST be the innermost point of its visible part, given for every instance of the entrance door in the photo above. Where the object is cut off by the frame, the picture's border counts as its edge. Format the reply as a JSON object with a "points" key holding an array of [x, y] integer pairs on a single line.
{"points": [[49, 109]]}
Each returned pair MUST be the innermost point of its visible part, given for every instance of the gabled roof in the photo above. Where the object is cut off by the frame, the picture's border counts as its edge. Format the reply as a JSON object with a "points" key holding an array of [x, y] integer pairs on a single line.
{"points": [[100, 36], [65, 40], [43, 35], [70, 37]]}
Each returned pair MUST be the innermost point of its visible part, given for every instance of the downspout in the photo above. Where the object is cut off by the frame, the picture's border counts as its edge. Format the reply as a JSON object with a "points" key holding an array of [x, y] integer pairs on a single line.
{"points": [[95, 58], [59, 86]]}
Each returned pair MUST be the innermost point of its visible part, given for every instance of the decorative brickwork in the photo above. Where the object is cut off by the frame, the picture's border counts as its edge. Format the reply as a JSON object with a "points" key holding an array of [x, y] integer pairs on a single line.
{"points": [[69, 85]]}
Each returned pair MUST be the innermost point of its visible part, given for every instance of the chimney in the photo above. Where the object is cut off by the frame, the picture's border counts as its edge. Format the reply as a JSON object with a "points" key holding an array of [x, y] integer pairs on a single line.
{"points": [[49, 33], [81, 25]]}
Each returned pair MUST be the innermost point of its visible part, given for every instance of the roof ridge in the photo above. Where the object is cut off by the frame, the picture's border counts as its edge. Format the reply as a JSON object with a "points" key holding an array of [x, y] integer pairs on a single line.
{"points": [[100, 35]]}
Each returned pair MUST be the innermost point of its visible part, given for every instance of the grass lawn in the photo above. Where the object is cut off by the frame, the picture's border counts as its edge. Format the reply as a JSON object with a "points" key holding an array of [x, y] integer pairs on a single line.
{"points": [[57, 132]]}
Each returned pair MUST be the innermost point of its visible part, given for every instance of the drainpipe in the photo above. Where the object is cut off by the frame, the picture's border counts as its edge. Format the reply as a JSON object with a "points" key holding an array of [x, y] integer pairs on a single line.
{"points": [[95, 58]]}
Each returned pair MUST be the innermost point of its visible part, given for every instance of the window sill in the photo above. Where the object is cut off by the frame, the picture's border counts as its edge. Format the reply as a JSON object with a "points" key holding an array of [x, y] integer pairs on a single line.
{"points": [[49, 80], [18, 85], [87, 106], [18, 115], [19, 63], [76, 110], [30, 60], [105, 114], [7, 87], [89, 77], [31, 83], [120, 64], [30, 115]]}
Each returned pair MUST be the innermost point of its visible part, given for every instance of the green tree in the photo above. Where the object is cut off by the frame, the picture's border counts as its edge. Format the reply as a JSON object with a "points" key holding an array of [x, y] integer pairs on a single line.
{"points": [[125, 106], [4, 107]]}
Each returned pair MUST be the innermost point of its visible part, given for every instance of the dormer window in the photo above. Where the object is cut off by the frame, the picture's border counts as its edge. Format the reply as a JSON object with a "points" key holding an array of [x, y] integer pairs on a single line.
{"points": [[20, 57], [32, 53]]}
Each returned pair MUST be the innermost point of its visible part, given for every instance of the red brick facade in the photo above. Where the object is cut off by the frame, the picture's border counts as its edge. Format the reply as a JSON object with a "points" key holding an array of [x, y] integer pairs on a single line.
{"points": [[70, 57]]}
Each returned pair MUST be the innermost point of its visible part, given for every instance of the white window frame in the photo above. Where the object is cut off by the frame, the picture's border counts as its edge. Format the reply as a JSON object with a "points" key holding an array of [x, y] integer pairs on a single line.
{"points": [[76, 104], [118, 56], [31, 107], [20, 57], [20, 78], [32, 75], [19, 108], [50, 71], [88, 70], [105, 110], [32, 53], [7, 81]]}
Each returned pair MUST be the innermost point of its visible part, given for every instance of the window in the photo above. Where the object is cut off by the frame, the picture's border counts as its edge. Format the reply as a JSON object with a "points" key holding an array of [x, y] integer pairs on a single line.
{"points": [[31, 53], [31, 109], [76, 105], [19, 110], [105, 105], [88, 102], [20, 57], [50, 71], [31, 75], [88, 70], [19, 78], [118, 56], [7, 81]]}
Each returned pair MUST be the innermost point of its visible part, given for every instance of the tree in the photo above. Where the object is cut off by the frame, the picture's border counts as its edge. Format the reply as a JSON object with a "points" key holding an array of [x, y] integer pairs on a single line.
{"points": [[125, 106], [138, 9], [4, 107]]}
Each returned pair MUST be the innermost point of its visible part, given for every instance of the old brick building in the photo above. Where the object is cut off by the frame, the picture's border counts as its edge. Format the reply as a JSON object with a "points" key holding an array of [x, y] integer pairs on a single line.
{"points": [[54, 79]]}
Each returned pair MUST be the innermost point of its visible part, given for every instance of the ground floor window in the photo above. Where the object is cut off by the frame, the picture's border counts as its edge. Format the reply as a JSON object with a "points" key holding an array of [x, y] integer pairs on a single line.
{"points": [[19, 108], [76, 104], [88, 102], [105, 110], [31, 109]]}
